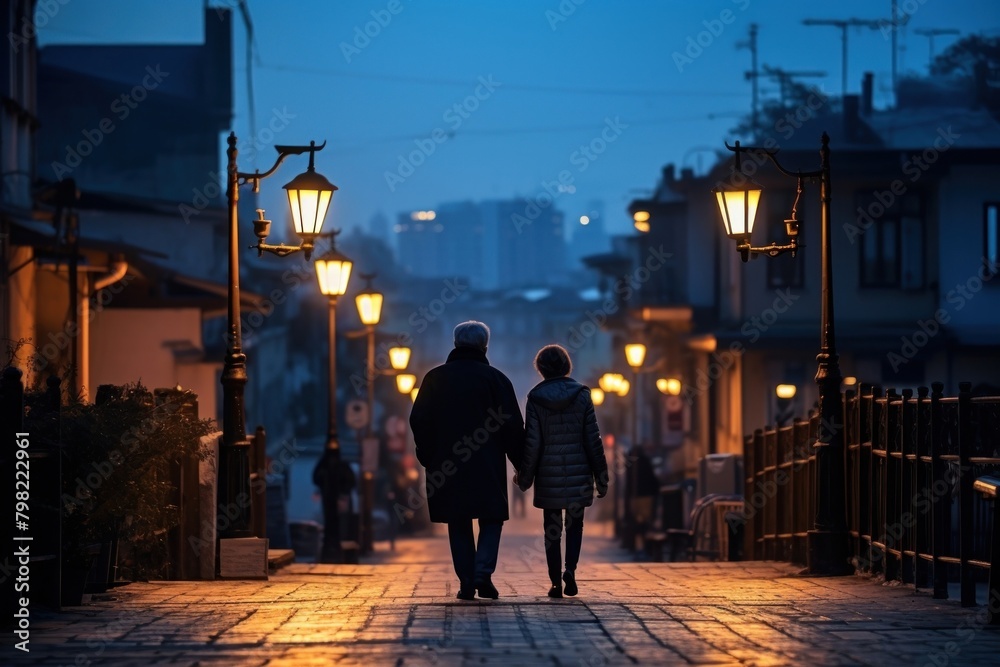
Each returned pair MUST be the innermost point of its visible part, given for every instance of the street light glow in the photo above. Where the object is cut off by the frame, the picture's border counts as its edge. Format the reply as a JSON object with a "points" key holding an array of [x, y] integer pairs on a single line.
{"points": [[405, 382], [635, 353], [399, 357], [785, 391], [597, 395], [669, 386]]}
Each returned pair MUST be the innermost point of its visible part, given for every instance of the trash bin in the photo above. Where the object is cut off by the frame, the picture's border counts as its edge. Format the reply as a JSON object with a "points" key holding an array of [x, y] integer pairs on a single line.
{"points": [[721, 474]]}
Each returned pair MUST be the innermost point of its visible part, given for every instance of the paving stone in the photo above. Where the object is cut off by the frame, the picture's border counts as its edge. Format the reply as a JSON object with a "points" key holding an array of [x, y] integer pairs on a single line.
{"points": [[399, 609]]}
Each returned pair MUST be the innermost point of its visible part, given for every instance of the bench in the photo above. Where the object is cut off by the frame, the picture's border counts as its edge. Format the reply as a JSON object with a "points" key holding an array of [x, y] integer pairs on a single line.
{"points": [[987, 486], [706, 534]]}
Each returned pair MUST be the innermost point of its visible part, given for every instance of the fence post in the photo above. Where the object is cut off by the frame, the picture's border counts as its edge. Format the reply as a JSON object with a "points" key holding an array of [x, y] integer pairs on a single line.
{"points": [[922, 489], [965, 498], [892, 564], [865, 479], [852, 468], [758, 516], [941, 518], [906, 450], [876, 494]]}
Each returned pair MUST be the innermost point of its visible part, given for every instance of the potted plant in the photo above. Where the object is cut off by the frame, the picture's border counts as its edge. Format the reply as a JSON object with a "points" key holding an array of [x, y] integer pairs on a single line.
{"points": [[116, 457]]}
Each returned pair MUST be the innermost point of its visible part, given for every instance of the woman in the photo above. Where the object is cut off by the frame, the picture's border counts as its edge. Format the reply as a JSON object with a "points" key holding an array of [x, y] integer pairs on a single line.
{"points": [[563, 458]]}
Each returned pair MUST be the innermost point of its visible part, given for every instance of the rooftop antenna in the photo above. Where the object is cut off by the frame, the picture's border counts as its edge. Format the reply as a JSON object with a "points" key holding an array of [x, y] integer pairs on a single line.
{"points": [[930, 33], [844, 24], [752, 75]]}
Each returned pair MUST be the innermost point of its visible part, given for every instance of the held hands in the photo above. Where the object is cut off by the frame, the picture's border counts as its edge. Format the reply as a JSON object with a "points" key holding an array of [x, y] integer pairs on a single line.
{"points": [[602, 491]]}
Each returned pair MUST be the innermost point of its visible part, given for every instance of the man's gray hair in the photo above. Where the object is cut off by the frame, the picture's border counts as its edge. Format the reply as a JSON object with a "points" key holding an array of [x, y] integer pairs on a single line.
{"points": [[472, 334]]}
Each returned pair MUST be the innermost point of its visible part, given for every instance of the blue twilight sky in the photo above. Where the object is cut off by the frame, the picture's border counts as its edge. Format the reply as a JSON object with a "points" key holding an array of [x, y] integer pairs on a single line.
{"points": [[663, 81]]}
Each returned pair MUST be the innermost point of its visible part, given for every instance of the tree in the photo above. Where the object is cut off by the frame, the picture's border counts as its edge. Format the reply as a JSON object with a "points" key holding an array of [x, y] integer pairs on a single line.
{"points": [[961, 57]]}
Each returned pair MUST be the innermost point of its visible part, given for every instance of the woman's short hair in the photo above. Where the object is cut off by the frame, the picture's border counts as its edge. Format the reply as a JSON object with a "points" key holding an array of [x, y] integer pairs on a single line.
{"points": [[472, 334], [553, 361]]}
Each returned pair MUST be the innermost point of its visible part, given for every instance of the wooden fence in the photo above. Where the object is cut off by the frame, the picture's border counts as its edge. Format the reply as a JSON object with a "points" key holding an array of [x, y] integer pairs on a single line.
{"points": [[911, 462]]}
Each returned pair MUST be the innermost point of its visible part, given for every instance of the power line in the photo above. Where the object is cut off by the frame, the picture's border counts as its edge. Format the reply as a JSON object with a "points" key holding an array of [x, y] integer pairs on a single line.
{"points": [[430, 81], [512, 131]]}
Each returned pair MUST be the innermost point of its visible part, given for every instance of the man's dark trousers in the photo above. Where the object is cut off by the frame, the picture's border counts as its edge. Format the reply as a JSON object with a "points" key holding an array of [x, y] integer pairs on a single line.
{"points": [[474, 564]]}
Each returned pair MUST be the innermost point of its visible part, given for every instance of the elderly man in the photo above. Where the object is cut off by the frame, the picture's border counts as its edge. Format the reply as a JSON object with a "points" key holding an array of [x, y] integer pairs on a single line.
{"points": [[465, 420]]}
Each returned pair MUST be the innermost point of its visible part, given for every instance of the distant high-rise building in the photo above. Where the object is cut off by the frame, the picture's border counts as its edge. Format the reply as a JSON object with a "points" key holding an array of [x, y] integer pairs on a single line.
{"points": [[494, 244], [531, 244], [378, 226]]}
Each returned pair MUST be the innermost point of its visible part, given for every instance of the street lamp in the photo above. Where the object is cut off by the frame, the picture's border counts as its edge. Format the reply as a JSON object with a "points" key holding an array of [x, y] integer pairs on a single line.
{"points": [[399, 357], [369, 304], [635, 354], [405, 382], [597, 395], [333, 271], [312, 194], [828, 541], [669, 386]]}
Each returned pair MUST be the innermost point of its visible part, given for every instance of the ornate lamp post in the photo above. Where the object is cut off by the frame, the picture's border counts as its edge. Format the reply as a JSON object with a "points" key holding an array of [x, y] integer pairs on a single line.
{"points": [[309, 196], [828, 541], [611, 383], [369, 304], [333, 271], [635, 354]]}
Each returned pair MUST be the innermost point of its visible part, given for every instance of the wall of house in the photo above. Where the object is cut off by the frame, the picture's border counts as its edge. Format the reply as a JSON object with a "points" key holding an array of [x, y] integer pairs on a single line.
{"points": [[971, 303], [130, 344]]}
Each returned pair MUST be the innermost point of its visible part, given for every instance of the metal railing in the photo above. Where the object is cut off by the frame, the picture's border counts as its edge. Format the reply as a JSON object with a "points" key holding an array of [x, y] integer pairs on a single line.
{"points": [[911, 461]]}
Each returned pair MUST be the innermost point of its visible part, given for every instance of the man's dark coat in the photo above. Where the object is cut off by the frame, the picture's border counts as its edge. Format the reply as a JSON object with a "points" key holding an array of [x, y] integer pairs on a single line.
{"points": [[465, 421]]}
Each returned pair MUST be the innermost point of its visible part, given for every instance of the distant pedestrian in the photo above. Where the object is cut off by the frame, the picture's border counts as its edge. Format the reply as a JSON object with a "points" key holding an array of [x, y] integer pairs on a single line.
{"points": [[334, 478], [465, 420], [643, 502], [564, 459]]}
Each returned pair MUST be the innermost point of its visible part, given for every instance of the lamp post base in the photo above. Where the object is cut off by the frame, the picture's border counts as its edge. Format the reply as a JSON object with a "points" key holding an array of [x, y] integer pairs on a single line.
{"points": [[828, 553]]}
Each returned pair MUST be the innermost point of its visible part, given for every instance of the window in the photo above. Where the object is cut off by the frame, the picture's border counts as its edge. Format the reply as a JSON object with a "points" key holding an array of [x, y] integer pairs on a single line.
{"points": [[991, 232], [892, 242]]}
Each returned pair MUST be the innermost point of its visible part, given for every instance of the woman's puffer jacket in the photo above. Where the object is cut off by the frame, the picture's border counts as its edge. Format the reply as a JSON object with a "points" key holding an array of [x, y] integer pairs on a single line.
{"points": [[563, 453]]}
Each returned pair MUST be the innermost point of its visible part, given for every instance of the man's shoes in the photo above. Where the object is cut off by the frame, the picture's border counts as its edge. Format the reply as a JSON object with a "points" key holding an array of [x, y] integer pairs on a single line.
{"points": [[570, 580], [488, 590], [466, 595], [555, 591]]}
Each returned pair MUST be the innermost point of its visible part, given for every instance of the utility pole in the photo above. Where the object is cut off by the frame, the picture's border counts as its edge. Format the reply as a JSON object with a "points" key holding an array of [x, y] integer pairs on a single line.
{"points": [[753, 75], [844, 24], [930, 33]]}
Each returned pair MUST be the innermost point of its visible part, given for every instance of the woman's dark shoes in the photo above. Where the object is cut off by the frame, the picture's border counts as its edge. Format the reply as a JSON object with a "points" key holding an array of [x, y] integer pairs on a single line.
{"points": [[466, 595], [488, 590], [555, 591], [570, 580]]}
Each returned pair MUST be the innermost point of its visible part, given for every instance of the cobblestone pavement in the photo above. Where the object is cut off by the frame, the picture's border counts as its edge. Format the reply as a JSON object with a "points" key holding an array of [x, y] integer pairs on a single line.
{"points": [[402, 611]]}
